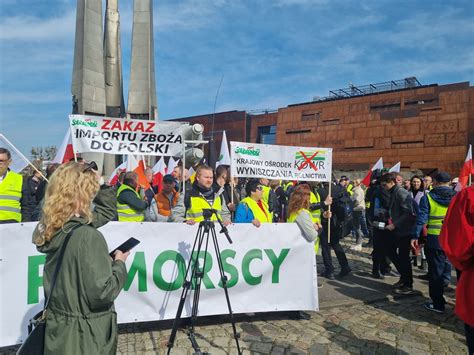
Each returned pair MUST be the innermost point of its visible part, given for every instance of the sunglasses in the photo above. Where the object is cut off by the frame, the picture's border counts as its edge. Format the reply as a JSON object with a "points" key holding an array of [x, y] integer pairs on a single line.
{"points": [[260, 188], [90, 166]]}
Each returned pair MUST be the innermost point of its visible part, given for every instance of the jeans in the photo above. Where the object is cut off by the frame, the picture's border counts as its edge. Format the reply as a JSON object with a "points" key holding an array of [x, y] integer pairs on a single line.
{"points": [[437, 268], [363, 224], [356, 218], [336, 235]]}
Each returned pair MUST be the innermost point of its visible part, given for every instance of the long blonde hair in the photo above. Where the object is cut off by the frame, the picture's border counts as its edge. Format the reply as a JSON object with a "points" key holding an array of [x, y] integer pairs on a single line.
{"points": [[70, 191]]}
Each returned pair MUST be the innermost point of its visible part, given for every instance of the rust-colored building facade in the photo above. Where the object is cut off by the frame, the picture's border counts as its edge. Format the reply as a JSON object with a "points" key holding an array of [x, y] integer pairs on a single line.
{"points": [[424, 127]]}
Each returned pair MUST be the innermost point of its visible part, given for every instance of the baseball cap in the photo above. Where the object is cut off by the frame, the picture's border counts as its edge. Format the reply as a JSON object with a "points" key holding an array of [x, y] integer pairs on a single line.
{"points": [[442, 177], [169, 178]]}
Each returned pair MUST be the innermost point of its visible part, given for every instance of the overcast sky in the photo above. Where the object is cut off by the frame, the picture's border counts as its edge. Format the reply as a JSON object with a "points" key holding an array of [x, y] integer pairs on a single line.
{"points": [[271, 53]]}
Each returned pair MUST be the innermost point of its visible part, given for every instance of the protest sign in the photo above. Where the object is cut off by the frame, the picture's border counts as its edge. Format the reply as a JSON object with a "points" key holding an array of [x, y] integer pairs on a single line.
{"points": [[279, 162], [121, 136], [263, 268]]}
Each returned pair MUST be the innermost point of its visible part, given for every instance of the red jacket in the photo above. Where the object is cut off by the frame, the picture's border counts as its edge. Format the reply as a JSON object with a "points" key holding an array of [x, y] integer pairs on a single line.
{"points": [[457, 241]]}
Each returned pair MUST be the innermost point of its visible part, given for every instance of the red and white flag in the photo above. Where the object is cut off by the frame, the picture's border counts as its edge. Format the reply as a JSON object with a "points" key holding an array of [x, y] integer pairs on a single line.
{"points": [[138, 166], [19, 161], [467, 169], [395, 168], [171, 165], [368, 177], [65, 152], [159, 171], [115, 174]]}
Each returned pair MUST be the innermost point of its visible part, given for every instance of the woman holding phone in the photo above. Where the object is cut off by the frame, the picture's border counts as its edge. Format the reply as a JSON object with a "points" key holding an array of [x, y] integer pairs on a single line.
{"points": [[81, 318]]}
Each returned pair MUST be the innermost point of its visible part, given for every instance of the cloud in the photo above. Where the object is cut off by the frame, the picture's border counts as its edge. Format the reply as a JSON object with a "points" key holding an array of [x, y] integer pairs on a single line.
{"points": [[299, 2], [28, 28], [186, 15], [33, 97], [436, 30]]}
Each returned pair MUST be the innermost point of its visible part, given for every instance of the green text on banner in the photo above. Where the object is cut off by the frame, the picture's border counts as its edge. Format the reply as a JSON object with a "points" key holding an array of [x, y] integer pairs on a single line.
{"points": [[263, 268]]}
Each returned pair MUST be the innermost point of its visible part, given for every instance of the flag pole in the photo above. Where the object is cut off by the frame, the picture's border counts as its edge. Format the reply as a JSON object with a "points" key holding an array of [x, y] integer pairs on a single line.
{"points": [[24, 158], [329, 219]]}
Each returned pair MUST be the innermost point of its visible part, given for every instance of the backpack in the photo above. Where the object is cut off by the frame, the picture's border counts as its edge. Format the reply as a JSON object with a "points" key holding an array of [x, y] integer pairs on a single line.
{"points": [[343, 207]]}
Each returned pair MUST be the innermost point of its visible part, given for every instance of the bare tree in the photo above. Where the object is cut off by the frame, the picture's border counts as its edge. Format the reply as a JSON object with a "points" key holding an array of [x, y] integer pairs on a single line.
{"points": [[43, 153]]}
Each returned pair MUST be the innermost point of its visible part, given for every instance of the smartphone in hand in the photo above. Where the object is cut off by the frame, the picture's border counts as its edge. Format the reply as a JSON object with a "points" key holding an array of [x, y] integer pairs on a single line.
{"points": [[124, 247]]}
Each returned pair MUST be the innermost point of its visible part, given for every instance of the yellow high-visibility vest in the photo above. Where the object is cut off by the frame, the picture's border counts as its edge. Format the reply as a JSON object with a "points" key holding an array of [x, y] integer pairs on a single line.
{"points": [[349, 189], [266, 197], [287, 186], [436, 217], [10, 196], [198, 204], [258, 213], [292, 219], [316, 214], [124, 211]]}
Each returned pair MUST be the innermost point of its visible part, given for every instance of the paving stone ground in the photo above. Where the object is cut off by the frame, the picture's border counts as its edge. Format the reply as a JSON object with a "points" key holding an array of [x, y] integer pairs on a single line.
{"points": [[358, 315]]}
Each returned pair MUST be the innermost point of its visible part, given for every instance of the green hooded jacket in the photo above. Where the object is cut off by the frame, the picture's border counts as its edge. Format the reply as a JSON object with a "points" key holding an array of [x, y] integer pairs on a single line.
{"points": [[81, 318]]}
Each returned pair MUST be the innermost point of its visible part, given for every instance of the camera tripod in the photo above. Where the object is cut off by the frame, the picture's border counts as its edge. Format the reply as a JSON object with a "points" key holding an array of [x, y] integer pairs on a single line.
{"points": [[193, 278]]}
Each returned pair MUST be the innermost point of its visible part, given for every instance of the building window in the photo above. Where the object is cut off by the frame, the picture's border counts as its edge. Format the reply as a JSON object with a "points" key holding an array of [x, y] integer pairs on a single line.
{"points": [[266, 135]]}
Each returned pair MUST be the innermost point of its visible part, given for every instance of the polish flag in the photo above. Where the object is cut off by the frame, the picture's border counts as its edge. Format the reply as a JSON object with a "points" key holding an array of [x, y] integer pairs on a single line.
{"points": [[113, 179], [368, 177], [171, 165], [467, 169], [66, 152], [395, 168], [159, 170], [138, 166]]}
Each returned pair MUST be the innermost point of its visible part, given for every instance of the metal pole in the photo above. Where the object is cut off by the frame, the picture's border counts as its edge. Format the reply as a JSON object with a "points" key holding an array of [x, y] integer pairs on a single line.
{"points": [[329, 219]]}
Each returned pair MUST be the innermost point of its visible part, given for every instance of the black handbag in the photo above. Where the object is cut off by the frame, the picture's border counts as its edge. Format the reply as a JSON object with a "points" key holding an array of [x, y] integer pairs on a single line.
{"points": [[34, 342]]}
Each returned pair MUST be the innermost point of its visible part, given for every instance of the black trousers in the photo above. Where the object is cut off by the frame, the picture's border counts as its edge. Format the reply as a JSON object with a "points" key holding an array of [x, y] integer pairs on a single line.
{"points": [[380, 262], [398, 251], [336, 235], [437, 268], [469, 338]]}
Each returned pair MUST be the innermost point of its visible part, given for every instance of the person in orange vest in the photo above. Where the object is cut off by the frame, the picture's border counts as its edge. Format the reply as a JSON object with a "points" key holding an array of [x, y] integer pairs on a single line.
{"points": [[253, 209], [167, 198]]}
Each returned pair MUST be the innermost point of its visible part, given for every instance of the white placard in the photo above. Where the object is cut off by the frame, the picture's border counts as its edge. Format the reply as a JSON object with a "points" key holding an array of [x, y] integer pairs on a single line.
{"points": [[121, 136], [278, 162]]}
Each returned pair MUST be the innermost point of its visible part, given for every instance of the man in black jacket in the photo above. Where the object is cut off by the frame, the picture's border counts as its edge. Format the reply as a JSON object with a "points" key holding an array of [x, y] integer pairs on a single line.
{"points": [[378, 216], [337, 233], [401, 227]]}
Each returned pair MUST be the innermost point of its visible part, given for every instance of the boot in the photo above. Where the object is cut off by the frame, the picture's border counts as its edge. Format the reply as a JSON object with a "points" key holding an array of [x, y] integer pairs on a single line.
{"points": [[414, 260], [422, 265]]}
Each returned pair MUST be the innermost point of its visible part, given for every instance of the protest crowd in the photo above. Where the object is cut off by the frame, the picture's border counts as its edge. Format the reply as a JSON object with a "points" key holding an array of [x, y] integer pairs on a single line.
{"points": [[417, 222]]}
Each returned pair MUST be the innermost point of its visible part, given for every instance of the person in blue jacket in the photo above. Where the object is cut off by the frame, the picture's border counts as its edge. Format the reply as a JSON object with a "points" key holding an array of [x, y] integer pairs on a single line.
{"points": [[432, 210]]}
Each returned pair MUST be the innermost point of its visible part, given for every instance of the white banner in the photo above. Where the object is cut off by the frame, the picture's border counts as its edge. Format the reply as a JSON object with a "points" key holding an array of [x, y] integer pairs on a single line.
{"points": [[271, 268], [279, 162], [121, 136]]}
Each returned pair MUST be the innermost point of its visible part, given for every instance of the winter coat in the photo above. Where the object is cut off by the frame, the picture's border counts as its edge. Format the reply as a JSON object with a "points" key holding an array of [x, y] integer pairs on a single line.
{"points": [[401, 211], [358, 197], [457, 241], [442, 195], [81, 318]]}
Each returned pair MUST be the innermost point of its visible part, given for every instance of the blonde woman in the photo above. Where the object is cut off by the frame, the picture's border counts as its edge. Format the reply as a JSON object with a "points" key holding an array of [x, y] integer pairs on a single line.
{"points": [[298, 212], [81, 317]]}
